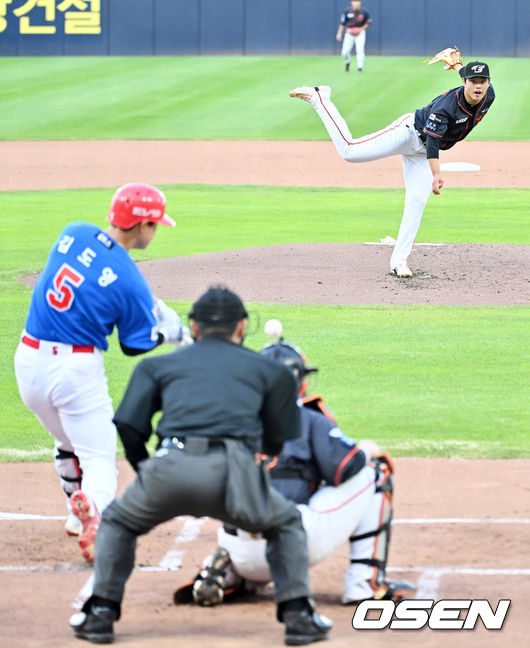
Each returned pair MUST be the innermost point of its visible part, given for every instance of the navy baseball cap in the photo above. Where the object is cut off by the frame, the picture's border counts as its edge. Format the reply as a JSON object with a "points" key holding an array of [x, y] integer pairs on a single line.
{"points": [[475, 69], [218, 305]]}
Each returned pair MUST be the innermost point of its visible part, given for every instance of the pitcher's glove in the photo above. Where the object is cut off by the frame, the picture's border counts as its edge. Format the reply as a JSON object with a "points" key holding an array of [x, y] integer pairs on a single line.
{"points": [[450, 56]]}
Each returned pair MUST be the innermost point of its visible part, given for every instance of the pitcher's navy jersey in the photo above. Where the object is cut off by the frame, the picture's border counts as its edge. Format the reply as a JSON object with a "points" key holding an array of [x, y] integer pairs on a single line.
{"points": [[89, 285], [449, 118]]}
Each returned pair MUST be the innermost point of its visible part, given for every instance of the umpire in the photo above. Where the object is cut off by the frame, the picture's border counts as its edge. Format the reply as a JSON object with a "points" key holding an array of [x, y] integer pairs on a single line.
{"points": [[221, 403]]}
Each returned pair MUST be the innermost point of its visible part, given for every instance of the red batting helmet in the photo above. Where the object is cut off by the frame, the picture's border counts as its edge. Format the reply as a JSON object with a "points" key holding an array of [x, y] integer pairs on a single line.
{"points": [[137, 202]]}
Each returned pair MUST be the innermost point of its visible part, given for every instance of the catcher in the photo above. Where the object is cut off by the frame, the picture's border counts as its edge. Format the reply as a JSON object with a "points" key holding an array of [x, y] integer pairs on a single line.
{"points": [[418, 137], [343, 491]]}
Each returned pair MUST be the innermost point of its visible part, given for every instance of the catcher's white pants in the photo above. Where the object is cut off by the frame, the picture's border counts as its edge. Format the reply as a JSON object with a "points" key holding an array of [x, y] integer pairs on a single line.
{"points": [[398, 138], [332, 515], [347, 47], [68, 393]]}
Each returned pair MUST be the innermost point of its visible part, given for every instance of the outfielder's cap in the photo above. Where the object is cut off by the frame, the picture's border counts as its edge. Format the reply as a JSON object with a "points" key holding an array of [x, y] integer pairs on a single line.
{"points": [[218, 305], [475, 69], [136, 202]]}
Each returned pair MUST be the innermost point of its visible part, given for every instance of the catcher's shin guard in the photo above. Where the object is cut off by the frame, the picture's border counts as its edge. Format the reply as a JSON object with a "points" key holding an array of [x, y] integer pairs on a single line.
{"points": [[381, 534]]}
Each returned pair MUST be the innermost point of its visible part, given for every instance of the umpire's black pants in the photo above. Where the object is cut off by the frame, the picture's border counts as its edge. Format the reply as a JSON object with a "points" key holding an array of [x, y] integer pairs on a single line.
{"points": [[175, 482]]}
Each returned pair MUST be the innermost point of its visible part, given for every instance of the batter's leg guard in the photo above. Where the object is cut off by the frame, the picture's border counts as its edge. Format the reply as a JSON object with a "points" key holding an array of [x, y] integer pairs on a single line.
{"points": [[70, 473], [69, 470]]}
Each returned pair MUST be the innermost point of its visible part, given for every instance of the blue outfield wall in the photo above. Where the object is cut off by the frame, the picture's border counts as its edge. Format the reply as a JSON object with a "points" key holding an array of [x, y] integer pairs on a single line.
{"points": [[257, 27]]}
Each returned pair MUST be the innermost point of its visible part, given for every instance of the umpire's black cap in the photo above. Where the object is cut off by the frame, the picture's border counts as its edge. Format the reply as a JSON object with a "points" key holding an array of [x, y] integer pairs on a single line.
{"points": [[475, 69], [218, 305]]}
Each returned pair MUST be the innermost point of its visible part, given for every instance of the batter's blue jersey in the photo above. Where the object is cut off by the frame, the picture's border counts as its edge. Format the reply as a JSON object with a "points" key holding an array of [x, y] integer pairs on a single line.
{"points": [[89, 285]]}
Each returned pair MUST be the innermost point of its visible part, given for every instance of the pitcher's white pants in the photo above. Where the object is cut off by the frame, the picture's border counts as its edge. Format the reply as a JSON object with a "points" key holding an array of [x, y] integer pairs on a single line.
{"points": [[332, 515], [347, 47], [398, 138], [68, 393]]}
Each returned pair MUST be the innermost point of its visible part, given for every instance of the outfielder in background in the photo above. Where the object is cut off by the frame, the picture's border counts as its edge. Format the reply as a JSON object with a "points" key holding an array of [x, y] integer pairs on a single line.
{"points": [[343, 491], [89, 285], [418, 137], [354, 22]]}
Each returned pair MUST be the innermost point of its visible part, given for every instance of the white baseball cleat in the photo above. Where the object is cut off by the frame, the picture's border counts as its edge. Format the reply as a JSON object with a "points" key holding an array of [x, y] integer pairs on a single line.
{"points": [[309, 94], [402, 270], [73, 525]]}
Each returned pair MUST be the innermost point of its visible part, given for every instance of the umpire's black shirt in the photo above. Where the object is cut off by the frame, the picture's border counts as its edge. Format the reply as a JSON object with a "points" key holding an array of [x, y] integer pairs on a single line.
{"points": [[449, 118], [211, 388]]}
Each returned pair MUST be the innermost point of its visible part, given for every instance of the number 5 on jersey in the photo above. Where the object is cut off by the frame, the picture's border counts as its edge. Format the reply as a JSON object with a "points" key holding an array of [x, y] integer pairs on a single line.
{"points": [[62, 297]]}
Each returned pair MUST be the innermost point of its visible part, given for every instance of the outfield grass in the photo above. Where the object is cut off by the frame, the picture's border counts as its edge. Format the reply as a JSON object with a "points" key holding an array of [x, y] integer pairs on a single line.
{"points": [[211, 218], [433, 381], [439, 381], [233, 97]]}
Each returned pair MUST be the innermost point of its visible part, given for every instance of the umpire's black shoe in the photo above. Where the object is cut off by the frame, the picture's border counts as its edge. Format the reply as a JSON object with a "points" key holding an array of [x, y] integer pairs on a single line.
{"points": [[95, 625], [304, 627]]}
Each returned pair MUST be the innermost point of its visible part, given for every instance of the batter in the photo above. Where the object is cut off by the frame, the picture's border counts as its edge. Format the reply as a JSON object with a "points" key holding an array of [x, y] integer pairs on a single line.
{"points": [[89, 285]]}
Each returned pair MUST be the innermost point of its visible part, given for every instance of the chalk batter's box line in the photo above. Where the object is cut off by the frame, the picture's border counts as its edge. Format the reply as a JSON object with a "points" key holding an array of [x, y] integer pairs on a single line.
{"points": [[469, 571], [28, 516]]}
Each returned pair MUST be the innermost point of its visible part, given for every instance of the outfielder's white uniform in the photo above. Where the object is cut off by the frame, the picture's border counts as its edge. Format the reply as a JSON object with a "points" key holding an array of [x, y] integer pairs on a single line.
{"points": [[333, 515], [398, 138], [350, 41]]}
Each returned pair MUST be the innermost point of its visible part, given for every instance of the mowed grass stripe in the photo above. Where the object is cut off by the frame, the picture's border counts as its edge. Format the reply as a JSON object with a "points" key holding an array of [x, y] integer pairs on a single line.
{"points": [[232, 97]]}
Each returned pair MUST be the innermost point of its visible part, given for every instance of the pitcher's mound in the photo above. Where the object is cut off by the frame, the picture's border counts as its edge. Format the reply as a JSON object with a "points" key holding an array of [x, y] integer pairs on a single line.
{"points": [[336, 273]]}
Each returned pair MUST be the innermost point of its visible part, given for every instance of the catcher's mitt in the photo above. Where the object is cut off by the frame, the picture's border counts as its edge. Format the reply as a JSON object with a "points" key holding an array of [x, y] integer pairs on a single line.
{"points": [[450, 56]]}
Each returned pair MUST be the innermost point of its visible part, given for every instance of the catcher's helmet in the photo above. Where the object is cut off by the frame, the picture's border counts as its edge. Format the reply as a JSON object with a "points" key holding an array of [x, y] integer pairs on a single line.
{"points": [[289, 355], [218, 306], [136, 202]]}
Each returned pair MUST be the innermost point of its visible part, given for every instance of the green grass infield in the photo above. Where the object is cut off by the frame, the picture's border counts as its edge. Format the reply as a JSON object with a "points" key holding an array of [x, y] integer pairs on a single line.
{"points": [[422, 381]]}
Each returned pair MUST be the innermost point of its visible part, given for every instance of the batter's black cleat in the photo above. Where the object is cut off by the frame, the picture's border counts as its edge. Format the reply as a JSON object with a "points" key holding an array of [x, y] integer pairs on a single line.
{"points": [[305, 627], [96, 625], [347, 67]]}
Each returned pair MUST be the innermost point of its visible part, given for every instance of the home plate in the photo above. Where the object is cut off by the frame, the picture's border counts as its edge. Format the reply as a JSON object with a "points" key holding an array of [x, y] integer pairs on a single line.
{"points": [[459, 166], [388, 240]]}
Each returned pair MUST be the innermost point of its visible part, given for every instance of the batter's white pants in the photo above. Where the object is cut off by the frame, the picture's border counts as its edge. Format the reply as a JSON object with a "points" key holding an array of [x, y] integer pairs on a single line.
{"points": [[347, 47], [68, 393], [332, 515], [398, 138]]}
